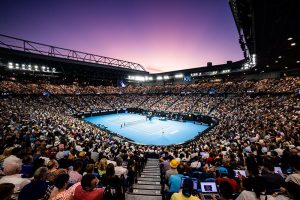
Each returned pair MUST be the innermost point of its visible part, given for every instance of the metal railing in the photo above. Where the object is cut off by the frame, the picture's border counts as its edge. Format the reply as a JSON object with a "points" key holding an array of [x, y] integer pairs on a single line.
{"points": [[49, 50]]}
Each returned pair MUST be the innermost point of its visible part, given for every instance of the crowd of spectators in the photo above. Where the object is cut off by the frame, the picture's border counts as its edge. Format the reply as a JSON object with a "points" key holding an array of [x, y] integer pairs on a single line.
{"points": [[47, 153], [286, 84]]}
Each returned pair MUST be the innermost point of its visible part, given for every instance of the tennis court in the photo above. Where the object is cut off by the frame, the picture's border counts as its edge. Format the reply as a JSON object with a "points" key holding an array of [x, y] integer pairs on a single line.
{"points": [[150, 132]]}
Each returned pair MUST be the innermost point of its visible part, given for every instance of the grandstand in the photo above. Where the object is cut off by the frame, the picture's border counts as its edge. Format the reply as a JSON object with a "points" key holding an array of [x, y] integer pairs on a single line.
{"points": [[251, 108]]}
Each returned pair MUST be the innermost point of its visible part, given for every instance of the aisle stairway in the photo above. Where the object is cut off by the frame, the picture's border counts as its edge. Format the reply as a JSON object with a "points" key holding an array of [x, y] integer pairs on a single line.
{"points": [[148, 185]]}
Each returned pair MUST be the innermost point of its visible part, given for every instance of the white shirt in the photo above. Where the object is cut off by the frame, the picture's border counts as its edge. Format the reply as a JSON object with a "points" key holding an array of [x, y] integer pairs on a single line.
{"points": [[60, 155], [119, 170], [294, 178], [248, 195], [113, 162], [11, 159], [196, 164], [94, 156], [15, 179]]}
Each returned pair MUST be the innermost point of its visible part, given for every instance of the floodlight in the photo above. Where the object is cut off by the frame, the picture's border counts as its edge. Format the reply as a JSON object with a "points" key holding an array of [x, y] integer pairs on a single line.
{"points": [[140, 78], [179, 76], [293, 44]]}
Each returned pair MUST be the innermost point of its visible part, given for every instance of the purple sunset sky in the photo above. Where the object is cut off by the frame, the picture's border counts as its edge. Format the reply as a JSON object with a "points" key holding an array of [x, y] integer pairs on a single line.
{"points": [[162, 35]]}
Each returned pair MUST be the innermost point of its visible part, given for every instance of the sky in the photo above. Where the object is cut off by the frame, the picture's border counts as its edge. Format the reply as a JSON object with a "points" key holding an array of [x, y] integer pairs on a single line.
{"points": [[161, 35]]}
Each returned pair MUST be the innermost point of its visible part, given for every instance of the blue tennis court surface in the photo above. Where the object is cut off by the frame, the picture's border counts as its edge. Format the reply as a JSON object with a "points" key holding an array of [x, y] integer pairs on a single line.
{"points": [[153, 132]]}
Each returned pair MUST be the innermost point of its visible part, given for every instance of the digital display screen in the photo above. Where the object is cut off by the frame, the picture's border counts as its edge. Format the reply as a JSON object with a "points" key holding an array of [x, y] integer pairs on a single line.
{"points": [[241, 172], [195, 182], [208, 187]]}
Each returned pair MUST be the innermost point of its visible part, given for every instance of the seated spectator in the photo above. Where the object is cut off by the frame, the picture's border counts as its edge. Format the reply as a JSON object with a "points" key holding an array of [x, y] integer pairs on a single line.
{"points": [[226, 191], [166, 163], [53, 171], [89, 169], [295, 177], [113, 181], [259, 191], [13, 157], [102, 166], [27, 167], [74, 174], [82, 158], [38, 186], [175, 180], [12, 175], [222, 175], [6, 191], [119, 170], [292, 192], [59, 192], [196, 164], [272, 180], [65, 162], [60, 154], [186, 192], [173, 164], [87, 190], [6, 153], [110, 178]]}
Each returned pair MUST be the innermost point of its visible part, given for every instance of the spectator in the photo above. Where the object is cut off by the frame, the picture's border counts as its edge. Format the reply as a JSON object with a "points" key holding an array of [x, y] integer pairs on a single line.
{"points": [[74, 174], [38, 186], [6, 191], [272, 180], [12, 175], [186, 192], [53, 171], [87, 190], [13, 157], [119, 170], [295, 177], [173, 164], [226, 191], [259, 191], [175, 180], [222, 175], [59, 192], [102, 166]]}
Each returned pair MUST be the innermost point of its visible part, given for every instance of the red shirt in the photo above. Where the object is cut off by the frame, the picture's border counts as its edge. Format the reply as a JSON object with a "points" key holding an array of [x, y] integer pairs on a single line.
{"points": [[232, 182], [96, 194]]}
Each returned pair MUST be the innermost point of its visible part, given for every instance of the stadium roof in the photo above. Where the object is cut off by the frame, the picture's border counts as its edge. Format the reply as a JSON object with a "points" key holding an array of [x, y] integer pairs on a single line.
{"points": [[17, 44], [270, 30]]}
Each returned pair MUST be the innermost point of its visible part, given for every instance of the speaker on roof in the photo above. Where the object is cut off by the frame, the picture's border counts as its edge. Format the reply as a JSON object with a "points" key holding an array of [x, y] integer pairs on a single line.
{"points": [[209, 64]]}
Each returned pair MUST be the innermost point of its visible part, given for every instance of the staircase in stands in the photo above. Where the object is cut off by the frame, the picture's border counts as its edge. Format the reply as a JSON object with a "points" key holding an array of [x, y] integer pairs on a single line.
{"points": [[148, 186]]}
